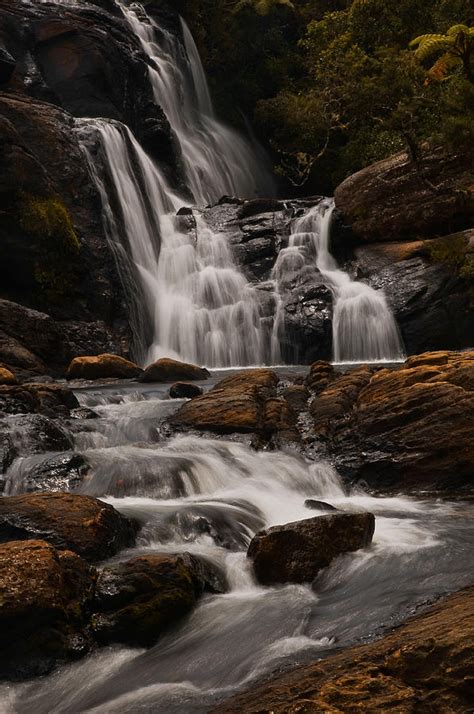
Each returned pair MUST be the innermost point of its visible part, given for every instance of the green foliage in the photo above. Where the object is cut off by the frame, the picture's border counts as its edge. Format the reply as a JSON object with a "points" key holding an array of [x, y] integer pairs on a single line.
{"points": [[453, 252], [331, 85], [452, 49], [49, 222]]}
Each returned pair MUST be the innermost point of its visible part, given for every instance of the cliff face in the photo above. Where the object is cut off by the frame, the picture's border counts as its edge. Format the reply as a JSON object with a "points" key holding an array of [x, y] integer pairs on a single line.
{"points": [[57, 63]]}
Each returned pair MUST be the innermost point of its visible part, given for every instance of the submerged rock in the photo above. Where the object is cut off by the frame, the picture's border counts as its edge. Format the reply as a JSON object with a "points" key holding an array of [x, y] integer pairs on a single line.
{"points": [[138, 600], [85, 525], [296, 552], [184, 390], [62, 472], [35, 434], [102, 367], [316, 505], [44, 595], [170, 370]]}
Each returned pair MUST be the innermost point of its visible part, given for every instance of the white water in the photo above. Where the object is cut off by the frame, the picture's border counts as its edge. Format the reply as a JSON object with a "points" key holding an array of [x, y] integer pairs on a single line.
{"points": [[364, 329], [217, 161], [420, 549]]}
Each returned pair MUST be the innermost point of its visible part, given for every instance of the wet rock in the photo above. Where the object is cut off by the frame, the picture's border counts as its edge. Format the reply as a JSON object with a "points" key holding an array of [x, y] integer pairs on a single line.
{"points": [[297, 397], [49, 399], [7, 65], [184, 390], [432, 192], [44, 596], [170, 370], [296, 552], [421, 665], [337, 398], [410, 428], [319, 505], [103, 366], [64, 472], [321, 373], [85, 525], [7, 376], [136, 601], [35, 434], [237, 403], [83, 413]]}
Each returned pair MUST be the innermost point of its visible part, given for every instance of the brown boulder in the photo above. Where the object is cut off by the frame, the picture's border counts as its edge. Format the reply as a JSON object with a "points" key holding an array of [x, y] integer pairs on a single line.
{"points": [[296, 552], [6, 376], [85, 525], [102, 367], [138, 600], [170, 370], [44, 595], [405, 428], [436, 194], [423, 666], [237, 403], [48, 398]]}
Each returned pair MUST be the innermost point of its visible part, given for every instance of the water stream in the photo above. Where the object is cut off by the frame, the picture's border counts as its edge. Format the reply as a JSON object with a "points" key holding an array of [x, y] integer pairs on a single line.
{"points": [[420, 550]]}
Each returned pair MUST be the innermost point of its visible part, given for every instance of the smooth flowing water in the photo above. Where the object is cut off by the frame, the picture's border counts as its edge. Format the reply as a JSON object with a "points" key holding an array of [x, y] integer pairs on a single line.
{"points": [[420, 550]]}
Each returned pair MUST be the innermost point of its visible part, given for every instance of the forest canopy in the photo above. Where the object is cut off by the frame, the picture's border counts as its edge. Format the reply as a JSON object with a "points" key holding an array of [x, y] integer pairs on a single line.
{"points": [[333, 85]]}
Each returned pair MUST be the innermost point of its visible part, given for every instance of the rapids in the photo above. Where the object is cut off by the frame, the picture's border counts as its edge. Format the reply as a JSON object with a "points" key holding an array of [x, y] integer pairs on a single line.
{"points": [[421, 549]]}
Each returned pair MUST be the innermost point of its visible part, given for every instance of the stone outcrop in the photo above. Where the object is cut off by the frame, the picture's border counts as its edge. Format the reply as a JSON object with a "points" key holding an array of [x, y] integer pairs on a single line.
{"points": [[171, 370], [88, 527], [47, 398], [296, 552], [237, 403], [399, 199], [423, 665], [104, 366], [136, 601], [409, 428], [44, 596]]}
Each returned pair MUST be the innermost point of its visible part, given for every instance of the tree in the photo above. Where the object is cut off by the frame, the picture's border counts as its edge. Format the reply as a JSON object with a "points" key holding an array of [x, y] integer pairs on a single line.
{"points": [[262, 7], [453, 49]]}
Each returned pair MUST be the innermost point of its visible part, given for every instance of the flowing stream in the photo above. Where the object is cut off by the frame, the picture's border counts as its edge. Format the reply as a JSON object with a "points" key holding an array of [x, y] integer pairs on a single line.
{"points": [[420, 550]]}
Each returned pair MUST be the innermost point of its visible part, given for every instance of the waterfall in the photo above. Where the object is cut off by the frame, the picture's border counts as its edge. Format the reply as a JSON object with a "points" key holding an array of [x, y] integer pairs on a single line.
{"points": [[364, 329], [189, 299], [217, 161]]}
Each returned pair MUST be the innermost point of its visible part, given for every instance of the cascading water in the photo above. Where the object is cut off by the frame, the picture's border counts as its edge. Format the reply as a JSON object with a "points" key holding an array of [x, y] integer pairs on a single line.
{"points": [[209, 497], [217, 161], [364, 329], [198, 305]]}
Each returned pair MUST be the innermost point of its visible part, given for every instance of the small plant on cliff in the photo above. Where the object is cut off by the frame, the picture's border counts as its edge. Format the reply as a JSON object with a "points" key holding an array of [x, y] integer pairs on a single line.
{"points": [[453, 49], [49, 222]]}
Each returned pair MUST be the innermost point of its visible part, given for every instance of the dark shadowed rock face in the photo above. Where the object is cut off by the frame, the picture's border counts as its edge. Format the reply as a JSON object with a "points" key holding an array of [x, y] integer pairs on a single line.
{"points": [[421, 666], [44, 595], [296, 552], [138, 600], [397, 199], [88, 527], [61, 472]]}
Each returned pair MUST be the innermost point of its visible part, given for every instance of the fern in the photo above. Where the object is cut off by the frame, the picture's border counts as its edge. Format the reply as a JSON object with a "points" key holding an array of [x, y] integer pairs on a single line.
{"points": [[455, 48]]}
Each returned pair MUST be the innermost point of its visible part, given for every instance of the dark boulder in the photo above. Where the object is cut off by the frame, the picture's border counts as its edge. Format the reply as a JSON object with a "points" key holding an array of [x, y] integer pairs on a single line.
{"points": [[171, 370], [296, 552], [316, 505], [35, 434], [44, 597], [88, 527], [136, 601], [62, 472], [184, 390]]}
